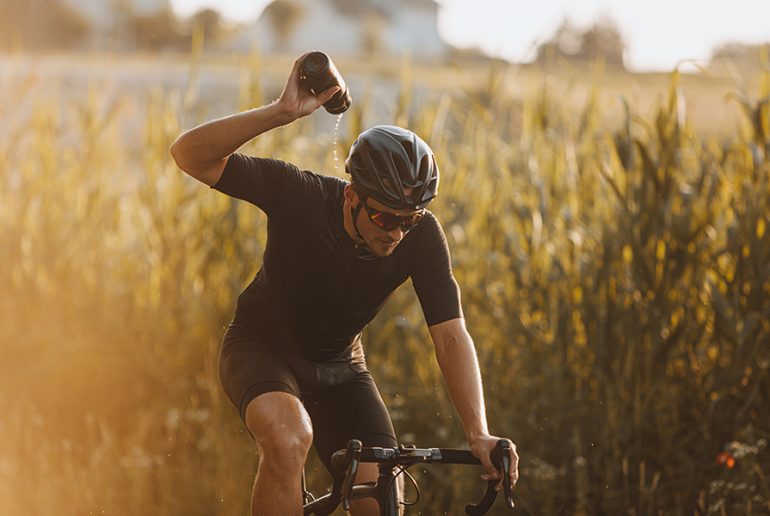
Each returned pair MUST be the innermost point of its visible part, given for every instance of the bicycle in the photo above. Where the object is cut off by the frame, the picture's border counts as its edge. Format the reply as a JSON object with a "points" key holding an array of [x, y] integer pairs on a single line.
{"points": [[392, 462]]}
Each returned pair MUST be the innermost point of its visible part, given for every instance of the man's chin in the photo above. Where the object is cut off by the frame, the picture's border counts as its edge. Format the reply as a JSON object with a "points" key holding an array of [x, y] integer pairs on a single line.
{"points": [[383, 250]]}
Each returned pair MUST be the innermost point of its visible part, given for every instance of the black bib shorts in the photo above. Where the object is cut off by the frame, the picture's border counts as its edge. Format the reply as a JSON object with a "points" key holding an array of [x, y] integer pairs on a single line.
{"points": [[339, 395]]}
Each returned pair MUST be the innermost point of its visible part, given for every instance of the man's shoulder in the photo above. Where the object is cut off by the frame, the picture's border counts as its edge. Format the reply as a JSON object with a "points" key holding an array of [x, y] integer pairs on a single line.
{"points": [[429, 224], [427, 240], [272, 184], [327, 185], [328, 188]]}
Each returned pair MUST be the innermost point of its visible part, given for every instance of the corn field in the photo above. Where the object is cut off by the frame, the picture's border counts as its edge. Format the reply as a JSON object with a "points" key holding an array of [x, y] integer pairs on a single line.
{"points": [[616, 281]]}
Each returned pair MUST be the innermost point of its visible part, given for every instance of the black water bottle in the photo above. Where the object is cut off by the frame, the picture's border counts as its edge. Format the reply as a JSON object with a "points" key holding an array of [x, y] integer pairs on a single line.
{"points": [[318, 73]]}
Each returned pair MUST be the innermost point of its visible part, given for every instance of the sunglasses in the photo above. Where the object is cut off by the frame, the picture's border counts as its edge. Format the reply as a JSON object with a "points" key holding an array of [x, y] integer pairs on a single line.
{"points": [[390, 221]]}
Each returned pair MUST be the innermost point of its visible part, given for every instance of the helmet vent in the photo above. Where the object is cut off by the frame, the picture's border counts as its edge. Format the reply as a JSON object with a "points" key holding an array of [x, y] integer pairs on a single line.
{"points": [[388, 184], [408, 148]]}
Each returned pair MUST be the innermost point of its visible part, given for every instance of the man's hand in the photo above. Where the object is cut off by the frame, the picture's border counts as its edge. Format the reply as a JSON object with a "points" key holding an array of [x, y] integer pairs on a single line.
{"points": [[297, 101], [482, 446]]}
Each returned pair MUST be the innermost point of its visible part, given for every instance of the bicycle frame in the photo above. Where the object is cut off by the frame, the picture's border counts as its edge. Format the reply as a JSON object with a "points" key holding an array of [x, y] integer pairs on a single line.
{"points": [[384, 491]]}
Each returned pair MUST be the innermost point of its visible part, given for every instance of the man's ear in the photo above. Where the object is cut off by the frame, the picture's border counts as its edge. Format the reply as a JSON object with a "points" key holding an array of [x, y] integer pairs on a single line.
{"points": [[351, 196]]}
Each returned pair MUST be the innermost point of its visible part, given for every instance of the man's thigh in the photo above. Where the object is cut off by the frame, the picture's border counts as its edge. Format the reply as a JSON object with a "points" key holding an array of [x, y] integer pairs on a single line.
{"points": [[249, 368], [351, 410]]}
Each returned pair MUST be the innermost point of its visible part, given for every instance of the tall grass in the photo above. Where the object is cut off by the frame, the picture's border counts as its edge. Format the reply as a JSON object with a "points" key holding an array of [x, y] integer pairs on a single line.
{"points": [[615, 282]]}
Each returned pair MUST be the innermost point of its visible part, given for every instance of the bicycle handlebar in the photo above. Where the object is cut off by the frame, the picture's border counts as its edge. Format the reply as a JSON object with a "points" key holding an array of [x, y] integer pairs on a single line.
{"points": [[345, 463], [501, 458]]}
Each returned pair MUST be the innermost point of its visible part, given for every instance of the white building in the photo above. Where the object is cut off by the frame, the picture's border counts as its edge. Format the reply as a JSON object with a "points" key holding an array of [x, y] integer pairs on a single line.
{"points": [[347, 27]]}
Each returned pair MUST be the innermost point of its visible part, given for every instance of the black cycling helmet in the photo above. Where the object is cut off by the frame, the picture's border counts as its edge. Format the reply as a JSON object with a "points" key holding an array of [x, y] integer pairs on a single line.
{"points": [[385, 160]]}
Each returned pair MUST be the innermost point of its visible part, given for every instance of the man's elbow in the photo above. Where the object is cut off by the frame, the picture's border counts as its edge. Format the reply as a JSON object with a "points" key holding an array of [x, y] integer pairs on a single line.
{"points": [[446, 343], [178, 155]]}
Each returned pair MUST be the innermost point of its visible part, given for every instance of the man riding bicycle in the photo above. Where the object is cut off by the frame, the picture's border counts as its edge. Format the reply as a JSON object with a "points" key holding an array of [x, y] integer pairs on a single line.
{"points": [[292, 361]]}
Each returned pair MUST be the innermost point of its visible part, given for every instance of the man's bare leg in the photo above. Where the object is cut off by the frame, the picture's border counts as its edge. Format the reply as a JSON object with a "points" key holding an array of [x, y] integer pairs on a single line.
{"points": [[283, 432]]}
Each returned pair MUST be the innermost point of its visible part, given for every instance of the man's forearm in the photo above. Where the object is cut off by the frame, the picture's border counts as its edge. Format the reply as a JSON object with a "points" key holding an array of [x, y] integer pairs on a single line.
{"points": [[202, 147], [459, 365], [456, 356]]}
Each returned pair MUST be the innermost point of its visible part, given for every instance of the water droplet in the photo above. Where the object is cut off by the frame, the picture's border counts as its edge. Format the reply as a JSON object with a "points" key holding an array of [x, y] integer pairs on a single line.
{"points": [[336, 133]]}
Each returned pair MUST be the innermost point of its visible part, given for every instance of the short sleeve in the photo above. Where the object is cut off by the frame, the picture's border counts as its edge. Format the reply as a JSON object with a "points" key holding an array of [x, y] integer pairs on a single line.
{"points": [[431, 274], [269, 184]]}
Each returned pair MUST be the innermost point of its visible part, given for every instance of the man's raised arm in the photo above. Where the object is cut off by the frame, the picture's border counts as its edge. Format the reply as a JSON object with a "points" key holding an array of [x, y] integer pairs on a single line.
{"points": [[202, 152]]}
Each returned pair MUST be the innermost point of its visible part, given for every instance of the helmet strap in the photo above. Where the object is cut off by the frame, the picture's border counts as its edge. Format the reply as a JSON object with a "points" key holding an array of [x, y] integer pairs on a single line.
{"points": [[354, 214], [362, 250]]}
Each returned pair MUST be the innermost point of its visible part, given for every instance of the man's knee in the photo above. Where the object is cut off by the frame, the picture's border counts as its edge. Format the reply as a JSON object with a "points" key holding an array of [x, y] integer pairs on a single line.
{"points": [[285, 444], [281, 428]]}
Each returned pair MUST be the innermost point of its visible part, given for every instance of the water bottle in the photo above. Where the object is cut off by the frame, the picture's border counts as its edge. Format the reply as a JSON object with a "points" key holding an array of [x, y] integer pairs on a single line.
{"points": [[318, 73]]}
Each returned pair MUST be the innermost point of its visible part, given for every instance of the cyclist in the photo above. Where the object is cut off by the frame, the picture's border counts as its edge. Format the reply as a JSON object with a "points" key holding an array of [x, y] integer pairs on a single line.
{"points": [[292, 361]]}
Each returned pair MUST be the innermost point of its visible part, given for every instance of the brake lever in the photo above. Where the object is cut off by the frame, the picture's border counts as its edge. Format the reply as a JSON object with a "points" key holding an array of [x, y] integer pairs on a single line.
{"points": [[501, 458], [505, 465], [353, 456]]}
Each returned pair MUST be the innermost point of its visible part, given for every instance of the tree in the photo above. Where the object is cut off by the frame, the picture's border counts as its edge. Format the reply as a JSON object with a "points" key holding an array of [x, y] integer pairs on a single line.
{"points": [[600, 42], [284, 16], [40, 25], [210, 20], [155, 31]]}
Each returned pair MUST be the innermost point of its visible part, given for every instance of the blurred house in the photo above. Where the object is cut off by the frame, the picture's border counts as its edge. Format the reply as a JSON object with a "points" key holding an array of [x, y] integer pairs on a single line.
{"points": [[347, 27]]}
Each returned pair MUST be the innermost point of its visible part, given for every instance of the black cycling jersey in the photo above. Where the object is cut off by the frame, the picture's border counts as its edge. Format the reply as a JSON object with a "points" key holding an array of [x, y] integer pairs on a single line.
{"points": [[314, 293]]}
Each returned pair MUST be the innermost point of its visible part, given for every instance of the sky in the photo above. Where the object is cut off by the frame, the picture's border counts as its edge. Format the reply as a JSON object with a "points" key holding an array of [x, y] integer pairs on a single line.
{"points": [[659, 34]]}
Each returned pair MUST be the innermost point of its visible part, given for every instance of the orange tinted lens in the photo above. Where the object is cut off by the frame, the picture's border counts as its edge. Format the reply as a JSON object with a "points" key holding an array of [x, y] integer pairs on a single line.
{"points": [[385, 220], [390, 221]]}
